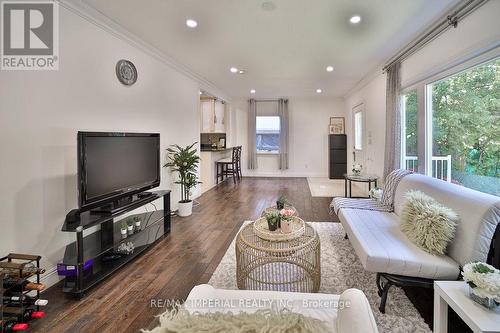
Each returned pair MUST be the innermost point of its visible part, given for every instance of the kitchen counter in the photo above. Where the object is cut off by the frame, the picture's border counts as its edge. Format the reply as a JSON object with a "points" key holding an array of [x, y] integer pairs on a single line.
{"points": [[208, 160]]}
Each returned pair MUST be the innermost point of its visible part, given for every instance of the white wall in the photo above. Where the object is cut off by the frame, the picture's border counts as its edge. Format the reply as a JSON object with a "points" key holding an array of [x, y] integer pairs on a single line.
{"points": [[308, 132], [476, 33], [41, 112], [372, 96]]}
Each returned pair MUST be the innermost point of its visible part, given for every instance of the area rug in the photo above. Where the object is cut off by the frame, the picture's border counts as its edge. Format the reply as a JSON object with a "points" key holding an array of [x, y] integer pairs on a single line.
{"points": [[340, 270], [325, 187]]}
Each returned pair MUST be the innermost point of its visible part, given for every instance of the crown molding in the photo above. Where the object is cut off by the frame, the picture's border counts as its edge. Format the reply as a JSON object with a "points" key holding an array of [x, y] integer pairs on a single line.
{"points": [[112, 27]]}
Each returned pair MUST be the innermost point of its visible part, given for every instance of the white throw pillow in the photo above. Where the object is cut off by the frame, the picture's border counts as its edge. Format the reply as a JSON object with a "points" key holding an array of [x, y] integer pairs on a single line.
{"points": [[354, 314]]}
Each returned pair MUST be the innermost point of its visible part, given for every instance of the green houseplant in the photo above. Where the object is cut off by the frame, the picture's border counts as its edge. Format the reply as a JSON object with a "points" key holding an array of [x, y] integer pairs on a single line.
{"points": [[281, 202], [273, 220], [185, 162]]}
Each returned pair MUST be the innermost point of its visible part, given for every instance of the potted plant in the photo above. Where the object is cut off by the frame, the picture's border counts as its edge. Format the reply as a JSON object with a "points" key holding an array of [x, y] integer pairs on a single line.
{"points": [[123, 230], [281, 202], [130, 227], [185, 162], [286, 217], [137, 223], [484, 283], [273, 219]]}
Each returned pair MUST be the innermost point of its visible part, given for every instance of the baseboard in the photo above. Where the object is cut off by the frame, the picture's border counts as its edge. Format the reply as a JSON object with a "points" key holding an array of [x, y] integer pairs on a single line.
{"points": [[285, 174]]}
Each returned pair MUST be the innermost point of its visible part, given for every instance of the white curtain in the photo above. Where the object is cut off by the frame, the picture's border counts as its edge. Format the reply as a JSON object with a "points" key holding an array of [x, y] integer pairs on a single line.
{"points": [[392, 159], [283, 114], [252, 134]]}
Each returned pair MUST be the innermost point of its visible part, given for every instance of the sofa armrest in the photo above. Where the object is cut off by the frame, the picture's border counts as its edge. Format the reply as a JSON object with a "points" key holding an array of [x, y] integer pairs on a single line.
{"points": [[355, 314]]}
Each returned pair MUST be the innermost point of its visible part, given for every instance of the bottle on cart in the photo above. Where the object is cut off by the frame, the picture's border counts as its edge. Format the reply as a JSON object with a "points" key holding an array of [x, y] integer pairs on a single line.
{"points": [[30, 314], [28, 270], [11, 325], [27, 314], [18, 284], [23, 300]]}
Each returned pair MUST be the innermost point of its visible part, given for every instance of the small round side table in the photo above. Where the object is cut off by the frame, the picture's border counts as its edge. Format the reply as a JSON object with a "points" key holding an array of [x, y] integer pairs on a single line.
{"points": [[292, 265], [358, 178]]}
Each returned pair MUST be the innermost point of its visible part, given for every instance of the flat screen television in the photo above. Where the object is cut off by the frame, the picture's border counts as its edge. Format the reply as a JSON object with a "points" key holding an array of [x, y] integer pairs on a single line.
{"points": [[112, 166]]}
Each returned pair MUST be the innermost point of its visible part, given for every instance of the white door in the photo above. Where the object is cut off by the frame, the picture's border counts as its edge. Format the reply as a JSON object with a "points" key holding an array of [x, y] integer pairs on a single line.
{"points": [[219, 126], [207, 115], [359, 142]]}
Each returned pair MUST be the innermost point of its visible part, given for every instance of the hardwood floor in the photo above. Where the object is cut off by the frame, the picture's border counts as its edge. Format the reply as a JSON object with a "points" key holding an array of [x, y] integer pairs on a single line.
{"points": [[183, 259]]}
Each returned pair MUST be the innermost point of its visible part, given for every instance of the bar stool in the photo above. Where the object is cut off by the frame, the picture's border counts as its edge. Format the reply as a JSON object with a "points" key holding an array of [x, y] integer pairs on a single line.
{"points": [[230, 166]]}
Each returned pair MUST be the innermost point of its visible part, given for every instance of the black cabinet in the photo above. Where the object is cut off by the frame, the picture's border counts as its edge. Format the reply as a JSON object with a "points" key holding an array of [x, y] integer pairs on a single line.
{"points": [[337, 151]]}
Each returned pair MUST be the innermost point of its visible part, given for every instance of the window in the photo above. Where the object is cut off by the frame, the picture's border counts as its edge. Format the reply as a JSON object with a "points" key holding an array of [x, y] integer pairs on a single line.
{"points": [[465, 113], [358, 130], [409, 136], [268, 134]]}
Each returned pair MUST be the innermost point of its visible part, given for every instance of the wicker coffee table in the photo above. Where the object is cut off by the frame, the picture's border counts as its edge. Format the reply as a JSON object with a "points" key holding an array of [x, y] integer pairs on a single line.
{"points": [[292, 265]]}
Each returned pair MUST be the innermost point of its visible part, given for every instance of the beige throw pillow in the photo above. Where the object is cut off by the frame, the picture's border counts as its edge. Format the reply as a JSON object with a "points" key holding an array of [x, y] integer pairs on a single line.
{"points": [[427, 223]]}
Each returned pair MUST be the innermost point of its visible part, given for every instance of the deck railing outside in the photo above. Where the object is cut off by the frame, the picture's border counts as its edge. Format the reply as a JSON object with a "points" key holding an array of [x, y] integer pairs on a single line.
{"points": [[441, 166]]}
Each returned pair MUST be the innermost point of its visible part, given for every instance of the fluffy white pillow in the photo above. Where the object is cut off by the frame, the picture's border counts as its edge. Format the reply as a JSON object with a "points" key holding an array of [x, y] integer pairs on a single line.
{"points": [[427, 223]]}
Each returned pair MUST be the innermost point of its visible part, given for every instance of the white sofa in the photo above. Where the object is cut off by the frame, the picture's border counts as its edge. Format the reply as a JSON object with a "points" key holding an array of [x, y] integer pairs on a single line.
{"points": [[383, 248], [346, 313]]}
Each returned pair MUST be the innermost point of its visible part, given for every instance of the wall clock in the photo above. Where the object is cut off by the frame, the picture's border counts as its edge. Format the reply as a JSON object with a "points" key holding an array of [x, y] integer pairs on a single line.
{"points": [[126, 72]]}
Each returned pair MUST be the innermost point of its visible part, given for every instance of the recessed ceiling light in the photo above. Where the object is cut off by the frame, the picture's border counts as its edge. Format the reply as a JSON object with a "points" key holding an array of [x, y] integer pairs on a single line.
{"points": [[191, 23], [200, 92], [355, 19], [233, 70], [241, 71], [268, 6], [319, 91], [329, 69], [252, 91]]}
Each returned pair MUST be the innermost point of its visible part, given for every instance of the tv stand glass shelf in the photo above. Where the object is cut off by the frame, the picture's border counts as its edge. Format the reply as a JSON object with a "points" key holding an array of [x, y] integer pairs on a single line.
{"points": [[95, 256]]}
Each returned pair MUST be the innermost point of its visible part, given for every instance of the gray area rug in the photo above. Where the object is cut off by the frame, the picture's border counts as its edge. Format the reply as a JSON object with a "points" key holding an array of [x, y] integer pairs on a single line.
{"points": [[341, 270]]}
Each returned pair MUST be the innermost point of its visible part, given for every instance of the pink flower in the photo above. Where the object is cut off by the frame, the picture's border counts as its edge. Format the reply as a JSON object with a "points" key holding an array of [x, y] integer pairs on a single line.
{"points": [[287, 212]]}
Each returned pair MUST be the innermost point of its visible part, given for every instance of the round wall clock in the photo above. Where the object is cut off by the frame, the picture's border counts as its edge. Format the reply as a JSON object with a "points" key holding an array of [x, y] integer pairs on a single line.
{"points": [[126, 72]]}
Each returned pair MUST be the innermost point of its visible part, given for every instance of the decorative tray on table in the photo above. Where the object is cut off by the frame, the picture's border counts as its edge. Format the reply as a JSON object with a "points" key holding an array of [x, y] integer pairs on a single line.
{"points": [[261, 229]]}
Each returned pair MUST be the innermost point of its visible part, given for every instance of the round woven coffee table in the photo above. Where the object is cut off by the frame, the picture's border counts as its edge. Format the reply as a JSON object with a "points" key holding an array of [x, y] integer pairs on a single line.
{"points": [[292, 265]]}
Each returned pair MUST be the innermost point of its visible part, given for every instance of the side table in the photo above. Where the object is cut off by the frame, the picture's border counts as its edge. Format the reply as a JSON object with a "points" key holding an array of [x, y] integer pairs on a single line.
{"points": [[456, 295], [358, 178]]}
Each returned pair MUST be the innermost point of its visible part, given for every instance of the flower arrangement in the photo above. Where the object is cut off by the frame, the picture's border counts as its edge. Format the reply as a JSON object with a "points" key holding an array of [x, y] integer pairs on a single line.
{"points": [[286, 219], [484, 282], [376, 193], [356, 168]]}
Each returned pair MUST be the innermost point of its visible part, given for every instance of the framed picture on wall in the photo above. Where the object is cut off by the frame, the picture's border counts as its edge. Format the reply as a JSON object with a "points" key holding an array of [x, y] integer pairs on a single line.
{"points": [[337, 125]]}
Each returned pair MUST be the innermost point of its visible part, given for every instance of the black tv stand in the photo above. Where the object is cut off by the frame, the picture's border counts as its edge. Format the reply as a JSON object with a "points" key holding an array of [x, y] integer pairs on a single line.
{"points": [[122, 204], [102, 244]]}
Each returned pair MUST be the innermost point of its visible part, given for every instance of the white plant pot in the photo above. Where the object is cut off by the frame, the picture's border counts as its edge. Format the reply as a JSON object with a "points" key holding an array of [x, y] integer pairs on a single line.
{"points": [[185, 208]]}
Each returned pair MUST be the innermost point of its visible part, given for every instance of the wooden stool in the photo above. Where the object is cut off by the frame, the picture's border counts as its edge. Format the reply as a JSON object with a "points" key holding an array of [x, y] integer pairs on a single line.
{"points": [[230, 166]]}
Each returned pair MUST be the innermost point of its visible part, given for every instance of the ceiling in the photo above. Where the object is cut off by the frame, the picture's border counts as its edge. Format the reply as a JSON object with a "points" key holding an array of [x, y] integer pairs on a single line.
{"points": [[285, 51]]}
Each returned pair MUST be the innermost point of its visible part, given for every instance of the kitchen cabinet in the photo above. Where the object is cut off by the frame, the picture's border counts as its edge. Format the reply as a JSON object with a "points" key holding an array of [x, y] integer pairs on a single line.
{"points": [[219, 117], [213, 114]]}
